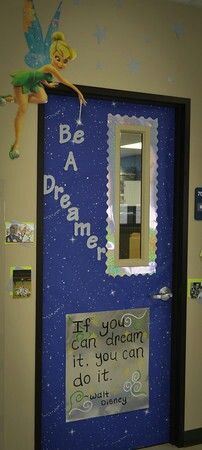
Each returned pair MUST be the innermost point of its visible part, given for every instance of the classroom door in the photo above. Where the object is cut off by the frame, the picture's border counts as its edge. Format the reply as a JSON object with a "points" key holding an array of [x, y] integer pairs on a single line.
{"points": [[107, 251]]}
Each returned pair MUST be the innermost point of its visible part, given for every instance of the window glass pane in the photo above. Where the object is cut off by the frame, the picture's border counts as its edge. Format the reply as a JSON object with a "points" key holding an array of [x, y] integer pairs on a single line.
{"points": [[131, 144]]}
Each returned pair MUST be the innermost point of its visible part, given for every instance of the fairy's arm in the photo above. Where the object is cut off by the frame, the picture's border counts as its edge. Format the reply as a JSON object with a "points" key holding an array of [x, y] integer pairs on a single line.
{"points": [[52, 84], [56, 74]]}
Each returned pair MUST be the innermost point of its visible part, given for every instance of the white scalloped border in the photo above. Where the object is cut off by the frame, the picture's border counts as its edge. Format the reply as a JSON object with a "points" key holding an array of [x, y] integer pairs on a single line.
{"points": [[114, 120]]}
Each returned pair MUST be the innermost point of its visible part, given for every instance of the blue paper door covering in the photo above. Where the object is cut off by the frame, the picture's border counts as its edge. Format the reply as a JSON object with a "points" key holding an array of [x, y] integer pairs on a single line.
{"points": [[75, 279]]}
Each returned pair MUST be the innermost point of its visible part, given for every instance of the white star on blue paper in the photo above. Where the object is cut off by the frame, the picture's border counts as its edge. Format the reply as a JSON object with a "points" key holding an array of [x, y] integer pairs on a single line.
{"points": [[78, 122], [72, 239]]}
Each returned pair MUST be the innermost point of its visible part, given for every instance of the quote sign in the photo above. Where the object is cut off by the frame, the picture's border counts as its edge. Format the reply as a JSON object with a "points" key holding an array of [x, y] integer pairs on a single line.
{"points": [[107, 357]]}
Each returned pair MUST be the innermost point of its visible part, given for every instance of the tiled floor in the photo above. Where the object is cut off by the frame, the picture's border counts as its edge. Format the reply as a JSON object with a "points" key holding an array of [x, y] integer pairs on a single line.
{"points": [[172, 447]]}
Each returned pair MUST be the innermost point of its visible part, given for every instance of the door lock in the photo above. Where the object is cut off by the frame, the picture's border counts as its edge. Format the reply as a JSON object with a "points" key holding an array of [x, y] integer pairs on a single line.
{"points": [[164, 294]]}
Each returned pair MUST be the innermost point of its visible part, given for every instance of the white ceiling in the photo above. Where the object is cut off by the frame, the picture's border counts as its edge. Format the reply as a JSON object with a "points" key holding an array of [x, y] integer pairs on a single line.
{"points": [[197, 3]]}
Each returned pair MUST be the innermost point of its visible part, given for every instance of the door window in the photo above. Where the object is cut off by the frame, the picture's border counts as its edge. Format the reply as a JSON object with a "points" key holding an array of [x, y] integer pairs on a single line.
{"points": [[132, 195]]}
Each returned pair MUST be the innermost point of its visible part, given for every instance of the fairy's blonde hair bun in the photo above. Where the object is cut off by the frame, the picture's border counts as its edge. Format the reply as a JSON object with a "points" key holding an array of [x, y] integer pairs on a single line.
{"points": [[59, 44], [58, 36]]}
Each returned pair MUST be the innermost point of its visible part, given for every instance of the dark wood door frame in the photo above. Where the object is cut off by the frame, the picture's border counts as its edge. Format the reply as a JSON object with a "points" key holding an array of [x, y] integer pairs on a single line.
{"points": [[180, 237]]}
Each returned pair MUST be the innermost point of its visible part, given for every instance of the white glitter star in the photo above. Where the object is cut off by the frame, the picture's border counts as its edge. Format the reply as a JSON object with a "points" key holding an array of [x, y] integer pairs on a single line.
{"points": [[72, 239], [78, 122]]}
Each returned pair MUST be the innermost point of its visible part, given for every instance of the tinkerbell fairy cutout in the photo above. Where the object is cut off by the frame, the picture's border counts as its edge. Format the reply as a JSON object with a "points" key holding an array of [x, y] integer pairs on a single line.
{"points": [[47, 58]]}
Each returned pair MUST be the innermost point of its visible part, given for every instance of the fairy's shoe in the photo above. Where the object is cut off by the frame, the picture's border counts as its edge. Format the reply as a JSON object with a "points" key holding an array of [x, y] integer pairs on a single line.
{"points": [[6, 99], [2, 101], [14, 153]]}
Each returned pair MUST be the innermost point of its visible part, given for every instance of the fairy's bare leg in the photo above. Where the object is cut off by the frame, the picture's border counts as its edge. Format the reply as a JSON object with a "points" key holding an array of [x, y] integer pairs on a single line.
{"points": [[38, 97], [22, 102]]}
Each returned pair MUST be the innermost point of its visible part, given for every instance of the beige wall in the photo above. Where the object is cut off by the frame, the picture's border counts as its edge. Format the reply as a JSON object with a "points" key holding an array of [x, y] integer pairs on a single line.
{"points": [[140, 30]]}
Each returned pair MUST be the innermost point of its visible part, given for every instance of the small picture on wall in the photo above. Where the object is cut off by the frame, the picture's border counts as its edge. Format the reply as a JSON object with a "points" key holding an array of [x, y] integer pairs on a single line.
{"points": [[21, 279], [195, 289], [19, 233]]}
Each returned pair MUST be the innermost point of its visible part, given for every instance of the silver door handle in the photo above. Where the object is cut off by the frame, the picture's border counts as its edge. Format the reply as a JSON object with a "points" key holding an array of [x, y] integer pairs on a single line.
{"points": [[164, 294]]}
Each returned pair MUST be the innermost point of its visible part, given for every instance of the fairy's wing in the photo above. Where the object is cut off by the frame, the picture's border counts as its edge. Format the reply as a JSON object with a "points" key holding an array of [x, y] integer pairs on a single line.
{"points": [[38, 54], [54, 25], [33, 35]]}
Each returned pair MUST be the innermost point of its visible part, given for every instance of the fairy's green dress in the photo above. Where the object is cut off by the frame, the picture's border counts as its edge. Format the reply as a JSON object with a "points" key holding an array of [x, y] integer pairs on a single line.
{"points": [[30, 81]]}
